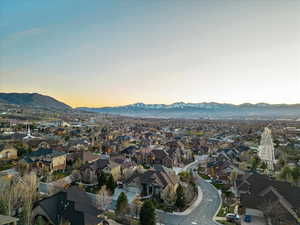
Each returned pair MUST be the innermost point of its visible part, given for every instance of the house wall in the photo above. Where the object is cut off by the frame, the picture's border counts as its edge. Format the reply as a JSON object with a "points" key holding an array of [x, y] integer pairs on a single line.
{"points": [[127, 172], [116, 172], [59, 163], [8, 153], [88, 176], [39, 211]]}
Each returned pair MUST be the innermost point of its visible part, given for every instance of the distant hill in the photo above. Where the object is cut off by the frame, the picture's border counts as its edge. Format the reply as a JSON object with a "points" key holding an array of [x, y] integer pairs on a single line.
{"points": [[202, 110], [32, 100]]}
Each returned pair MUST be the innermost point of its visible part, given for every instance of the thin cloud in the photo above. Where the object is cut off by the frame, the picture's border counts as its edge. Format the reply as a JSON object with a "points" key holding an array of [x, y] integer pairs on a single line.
{"points": [[11, 39], [26, 33]]}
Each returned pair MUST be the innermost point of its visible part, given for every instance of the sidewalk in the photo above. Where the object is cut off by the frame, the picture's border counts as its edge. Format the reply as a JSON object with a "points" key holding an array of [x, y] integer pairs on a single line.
{"points": [[218, 218]]}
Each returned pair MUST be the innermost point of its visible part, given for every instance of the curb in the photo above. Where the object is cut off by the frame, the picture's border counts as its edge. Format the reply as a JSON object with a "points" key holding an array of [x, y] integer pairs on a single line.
{"points": [[220, 205], [193, 206], [189, 209]]}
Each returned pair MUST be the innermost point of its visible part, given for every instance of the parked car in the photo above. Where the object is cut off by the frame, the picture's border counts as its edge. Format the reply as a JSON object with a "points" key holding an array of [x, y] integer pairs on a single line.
{"points": [[105, 222], [209, 181], [231, 217], [120, 184], [215, 181], [248, 218]]}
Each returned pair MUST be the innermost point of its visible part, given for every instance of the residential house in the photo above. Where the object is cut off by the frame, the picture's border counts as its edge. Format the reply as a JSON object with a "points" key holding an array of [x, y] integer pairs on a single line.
{"points": [[127, 166], [141, 156], [160, 157], [78, 144], [8, 152], [90, 171], [83, 156], [129, 151], [46, 159], [261, 195], [158, 182], [71, 206]]}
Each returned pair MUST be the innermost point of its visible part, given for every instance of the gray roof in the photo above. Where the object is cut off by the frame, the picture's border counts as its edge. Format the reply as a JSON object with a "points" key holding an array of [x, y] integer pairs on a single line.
{"points": [[72, 204], [256, 184], [42, 154]]}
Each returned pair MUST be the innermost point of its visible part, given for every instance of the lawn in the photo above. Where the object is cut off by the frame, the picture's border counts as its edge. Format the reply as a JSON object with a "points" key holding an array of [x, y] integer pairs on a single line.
{"points": [[59, 175], [111, 215], [204, 176], [225, 222]]}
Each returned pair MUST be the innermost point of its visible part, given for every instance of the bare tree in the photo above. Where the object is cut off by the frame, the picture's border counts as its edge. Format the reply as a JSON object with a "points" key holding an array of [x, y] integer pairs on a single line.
{"points": [[10, 196], [136, 207], [29, 195], [103, 198], [233, 176]]}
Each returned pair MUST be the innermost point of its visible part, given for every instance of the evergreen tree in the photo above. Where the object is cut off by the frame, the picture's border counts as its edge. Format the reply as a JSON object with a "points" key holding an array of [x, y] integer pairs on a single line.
{"points": [[180, 199], [264, 165], [122, 205], [295, 173], [102, 179], [286, 174], [111, 184], [255, 162], [39, 221], [3, 207], [147, 214]]}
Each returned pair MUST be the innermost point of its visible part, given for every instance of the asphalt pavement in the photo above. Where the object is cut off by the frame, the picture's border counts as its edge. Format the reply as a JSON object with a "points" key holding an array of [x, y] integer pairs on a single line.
{"points": [[202, 214]]}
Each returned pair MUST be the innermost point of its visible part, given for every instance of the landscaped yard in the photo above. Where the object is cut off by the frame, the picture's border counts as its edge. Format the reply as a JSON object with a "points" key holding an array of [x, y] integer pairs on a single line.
{"points": [[225, 222], [111, 215], [4, 165], [204, 176], [59, 175]]}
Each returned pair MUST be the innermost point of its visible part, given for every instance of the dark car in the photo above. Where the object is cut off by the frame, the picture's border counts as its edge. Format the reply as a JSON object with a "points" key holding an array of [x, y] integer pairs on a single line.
{"points": [[105, 222], [215, 181], [248, 218]]}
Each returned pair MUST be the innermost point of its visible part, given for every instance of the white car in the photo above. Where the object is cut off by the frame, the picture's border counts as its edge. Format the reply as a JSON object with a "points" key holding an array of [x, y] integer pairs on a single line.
{"points": [[231, 217]]}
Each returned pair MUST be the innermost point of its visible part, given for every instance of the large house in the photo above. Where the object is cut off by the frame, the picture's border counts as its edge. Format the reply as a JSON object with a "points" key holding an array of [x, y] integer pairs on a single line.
{"points": [[158, 182], [71, 206], [260, 195], [46, 159], [8, 152], [160, 157], [90, 171], [83, 156]]}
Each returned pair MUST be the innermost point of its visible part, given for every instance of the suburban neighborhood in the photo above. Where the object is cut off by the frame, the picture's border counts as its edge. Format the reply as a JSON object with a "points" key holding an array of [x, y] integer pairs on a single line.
{"points": [[103, 169]]}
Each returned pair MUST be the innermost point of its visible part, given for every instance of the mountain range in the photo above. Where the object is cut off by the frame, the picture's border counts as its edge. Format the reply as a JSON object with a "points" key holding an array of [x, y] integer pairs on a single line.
{"points": [[33, 100], [175, 110], [201, 110]]}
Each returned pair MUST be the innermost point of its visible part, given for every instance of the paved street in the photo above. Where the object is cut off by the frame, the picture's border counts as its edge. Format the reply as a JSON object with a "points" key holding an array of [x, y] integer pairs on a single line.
{"points": [[202, 214]]}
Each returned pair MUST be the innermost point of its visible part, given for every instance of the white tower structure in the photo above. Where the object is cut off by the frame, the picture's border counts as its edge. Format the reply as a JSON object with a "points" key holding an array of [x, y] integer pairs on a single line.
{"points": [[28, 136], [266, 148]]}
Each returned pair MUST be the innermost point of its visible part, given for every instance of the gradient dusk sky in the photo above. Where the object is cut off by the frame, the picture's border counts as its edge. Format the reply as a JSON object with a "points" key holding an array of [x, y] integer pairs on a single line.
{"points": [[105, 53]]}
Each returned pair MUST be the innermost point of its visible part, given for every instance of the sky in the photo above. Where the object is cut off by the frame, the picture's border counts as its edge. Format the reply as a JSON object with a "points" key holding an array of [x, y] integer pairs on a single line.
{"points": [[106, 53]]}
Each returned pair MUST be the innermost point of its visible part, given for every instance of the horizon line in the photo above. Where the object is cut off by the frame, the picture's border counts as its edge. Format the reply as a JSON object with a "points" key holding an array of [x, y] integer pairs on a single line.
{"points": [[140, 102], [205, 102]]}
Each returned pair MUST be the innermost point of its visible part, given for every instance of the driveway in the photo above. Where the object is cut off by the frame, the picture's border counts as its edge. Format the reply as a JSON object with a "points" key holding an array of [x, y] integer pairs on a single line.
{"points": [[255, 221], [202, 214]]}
